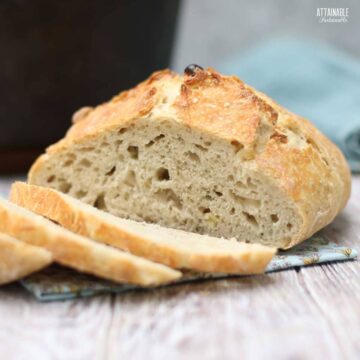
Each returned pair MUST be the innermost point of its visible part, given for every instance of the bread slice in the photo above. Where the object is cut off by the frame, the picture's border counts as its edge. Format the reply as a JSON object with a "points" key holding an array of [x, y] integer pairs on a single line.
{"points": [[175, 248], [80, 253], [204, 153], [18, 259]]}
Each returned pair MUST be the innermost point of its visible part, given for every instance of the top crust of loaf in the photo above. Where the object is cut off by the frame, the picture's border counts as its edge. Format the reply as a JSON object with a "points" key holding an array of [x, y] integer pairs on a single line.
{"points": [[286, 148]]}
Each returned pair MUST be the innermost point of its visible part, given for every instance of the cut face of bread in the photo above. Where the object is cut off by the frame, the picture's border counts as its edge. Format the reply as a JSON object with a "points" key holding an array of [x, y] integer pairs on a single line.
{"points": [[166, 174], [171, 247], [79, 252], [202, 153], [18, 259]]}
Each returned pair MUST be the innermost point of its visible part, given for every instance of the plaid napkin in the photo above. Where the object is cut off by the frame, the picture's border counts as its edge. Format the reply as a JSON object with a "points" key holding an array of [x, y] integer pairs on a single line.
{"points": [[57, 283]]}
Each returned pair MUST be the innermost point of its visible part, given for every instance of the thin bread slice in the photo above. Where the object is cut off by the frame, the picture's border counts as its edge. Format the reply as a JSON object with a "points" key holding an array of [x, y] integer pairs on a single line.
{"points": [[18, 259], [176, 248], [79, 252]]}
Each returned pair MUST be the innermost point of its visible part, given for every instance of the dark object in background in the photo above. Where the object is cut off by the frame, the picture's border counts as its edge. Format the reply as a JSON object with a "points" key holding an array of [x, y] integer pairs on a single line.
{"points": [[57, 56]]}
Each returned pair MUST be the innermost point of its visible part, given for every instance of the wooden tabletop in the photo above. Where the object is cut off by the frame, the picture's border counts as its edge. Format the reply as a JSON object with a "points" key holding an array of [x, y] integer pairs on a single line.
{"points": [[285, 315]]}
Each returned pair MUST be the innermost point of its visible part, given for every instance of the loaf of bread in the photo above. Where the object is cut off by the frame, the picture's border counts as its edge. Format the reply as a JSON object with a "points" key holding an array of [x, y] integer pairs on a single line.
{"points": [[175, 248], [18, 259], [80, 253], [201, 152]]}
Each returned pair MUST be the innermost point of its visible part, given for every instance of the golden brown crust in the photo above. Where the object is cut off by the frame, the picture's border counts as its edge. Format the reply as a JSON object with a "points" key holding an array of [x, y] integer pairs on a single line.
{"points": [[18, 259], [223, 256], [123, 108], [81, 253], [307, 166]]}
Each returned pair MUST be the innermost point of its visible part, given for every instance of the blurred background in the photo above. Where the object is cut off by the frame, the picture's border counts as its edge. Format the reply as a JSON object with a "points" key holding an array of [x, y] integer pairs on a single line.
{"points": [[212, 31], [58, 56]]}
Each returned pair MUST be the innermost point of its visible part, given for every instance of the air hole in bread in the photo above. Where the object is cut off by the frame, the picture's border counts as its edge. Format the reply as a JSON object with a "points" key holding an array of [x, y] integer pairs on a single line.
{"points": [[149, 219], [199, 228], [204, 210], [85, 163], [133, 151], [192, 156], [118, 142], [70, 160], [200, 147], [251, 219], [87, 149], [122, 131], [111, 171], [100, 202], [164, 100], [130, 178], [80, 194], [51, 178], [162, 174], [180, 140], [249, 183], [64, 186], [159, 137], [232, 211], [289, 226], [240, 185], [218, 193], [245, 202], [150, 143], [274, 218], [168, 195], [153, 141], [238, 146]]}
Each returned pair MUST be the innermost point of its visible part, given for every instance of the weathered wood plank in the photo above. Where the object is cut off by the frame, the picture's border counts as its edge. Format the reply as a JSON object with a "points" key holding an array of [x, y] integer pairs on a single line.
{"points": [[266, 316], [61, 330]]}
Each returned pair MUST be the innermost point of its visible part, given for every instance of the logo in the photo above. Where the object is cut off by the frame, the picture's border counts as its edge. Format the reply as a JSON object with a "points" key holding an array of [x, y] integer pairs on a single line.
{"points": [[332, 15]]}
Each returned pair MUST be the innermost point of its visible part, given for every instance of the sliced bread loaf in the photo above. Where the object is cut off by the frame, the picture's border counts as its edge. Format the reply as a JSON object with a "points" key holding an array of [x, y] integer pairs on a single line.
{"points": [[80, 253], [175, 248], [18, 259], [204, 153]]}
